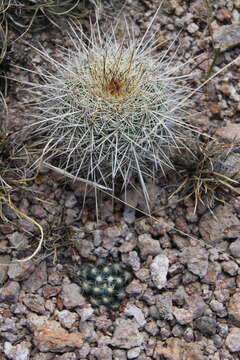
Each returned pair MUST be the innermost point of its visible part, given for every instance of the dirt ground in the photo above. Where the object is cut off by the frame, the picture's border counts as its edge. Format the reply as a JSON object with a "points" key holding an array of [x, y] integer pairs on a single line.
{"points": [[184, 300]]}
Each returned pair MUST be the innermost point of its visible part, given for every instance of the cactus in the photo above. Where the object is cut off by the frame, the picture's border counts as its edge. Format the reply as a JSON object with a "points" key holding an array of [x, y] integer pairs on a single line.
{"points": [[112, 110], [104, 282]]}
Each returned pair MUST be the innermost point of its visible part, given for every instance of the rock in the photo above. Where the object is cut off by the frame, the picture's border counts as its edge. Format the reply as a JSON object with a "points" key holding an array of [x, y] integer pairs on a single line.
{"points": [[70, 200], [206, 325], [214, 270], [196, 259], [224, 288], [133, 353], [223, 15], [84, 351], [175, 281], [103, 323], [157, 227], [9, 293], [195, 307], [234, 308], [217, 226], [177, 331], [192, 28], [87, 328], [226, 36], [129, 215], [132, 259], [119, 355], [85, 247], [143, 274], [44, 356], [55, 277], [159, 270], [164, 306], [232, 340], [148, 246], [218, 308], [179, 11], [50, 291], [178, 349], [116, 231], [179, 296], [35, 320], [67, 356], [38, 211], [50, 336], [102, 353], [8, 325], [35, 303], [86, 313], [152, 328], [183, 316], [230, 267], [4, 260], [132, 310], [18, 240], [98, 237], [71, 296], [66, 318], [214, 108], [135, 287], [37, 278], [20, 271], [234, 248], [180, 242], [230, 132], [148, 296], [20, 351], [19, 309], [51, 305], [126, 334]]}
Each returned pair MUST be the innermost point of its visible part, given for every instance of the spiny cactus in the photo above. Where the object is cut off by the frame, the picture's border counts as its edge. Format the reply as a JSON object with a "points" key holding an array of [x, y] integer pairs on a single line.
{"points": [[104, 283], [111, 110], [207, 171]]}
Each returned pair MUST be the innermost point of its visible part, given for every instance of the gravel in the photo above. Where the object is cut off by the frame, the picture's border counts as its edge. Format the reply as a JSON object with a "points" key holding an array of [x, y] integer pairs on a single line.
{"points": [[183, 300]]}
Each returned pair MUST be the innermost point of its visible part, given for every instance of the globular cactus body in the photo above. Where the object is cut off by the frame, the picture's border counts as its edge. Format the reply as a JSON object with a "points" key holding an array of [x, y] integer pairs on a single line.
{"points": [[112, 110], [105, 289]]}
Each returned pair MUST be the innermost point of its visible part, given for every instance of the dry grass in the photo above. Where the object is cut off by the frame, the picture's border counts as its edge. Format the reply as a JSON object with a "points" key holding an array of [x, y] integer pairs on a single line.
{"points": [[208, 172], [26, 14], [10, 182]]}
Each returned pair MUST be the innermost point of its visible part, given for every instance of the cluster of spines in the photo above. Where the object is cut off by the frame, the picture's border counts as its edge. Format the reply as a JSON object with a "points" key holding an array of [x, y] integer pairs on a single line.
{"points": [[104, 283]]}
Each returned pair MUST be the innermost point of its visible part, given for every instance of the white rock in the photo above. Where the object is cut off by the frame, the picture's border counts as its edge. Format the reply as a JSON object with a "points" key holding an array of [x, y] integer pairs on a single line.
{"points": [[159, 270], [133, 353], [66, 318], [132, 310], [86, 313], [232, 340], [20, 351], [192, 28]]}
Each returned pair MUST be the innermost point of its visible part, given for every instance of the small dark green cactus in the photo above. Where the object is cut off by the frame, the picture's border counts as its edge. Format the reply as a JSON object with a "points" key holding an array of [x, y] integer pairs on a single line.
{"points": [[104, 282]]}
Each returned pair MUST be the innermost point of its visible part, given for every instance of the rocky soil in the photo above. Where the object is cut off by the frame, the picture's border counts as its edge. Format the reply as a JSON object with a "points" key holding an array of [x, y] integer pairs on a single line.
{"points": [[184, 300]]}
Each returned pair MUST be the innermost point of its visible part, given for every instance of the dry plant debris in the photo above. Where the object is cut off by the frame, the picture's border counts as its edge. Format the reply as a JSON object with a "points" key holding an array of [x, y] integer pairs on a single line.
{"points": [[209, 170]]}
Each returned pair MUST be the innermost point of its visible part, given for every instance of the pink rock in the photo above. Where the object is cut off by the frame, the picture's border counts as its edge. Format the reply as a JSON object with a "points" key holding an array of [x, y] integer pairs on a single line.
{"points": [[49, 335], [230, 132]]}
